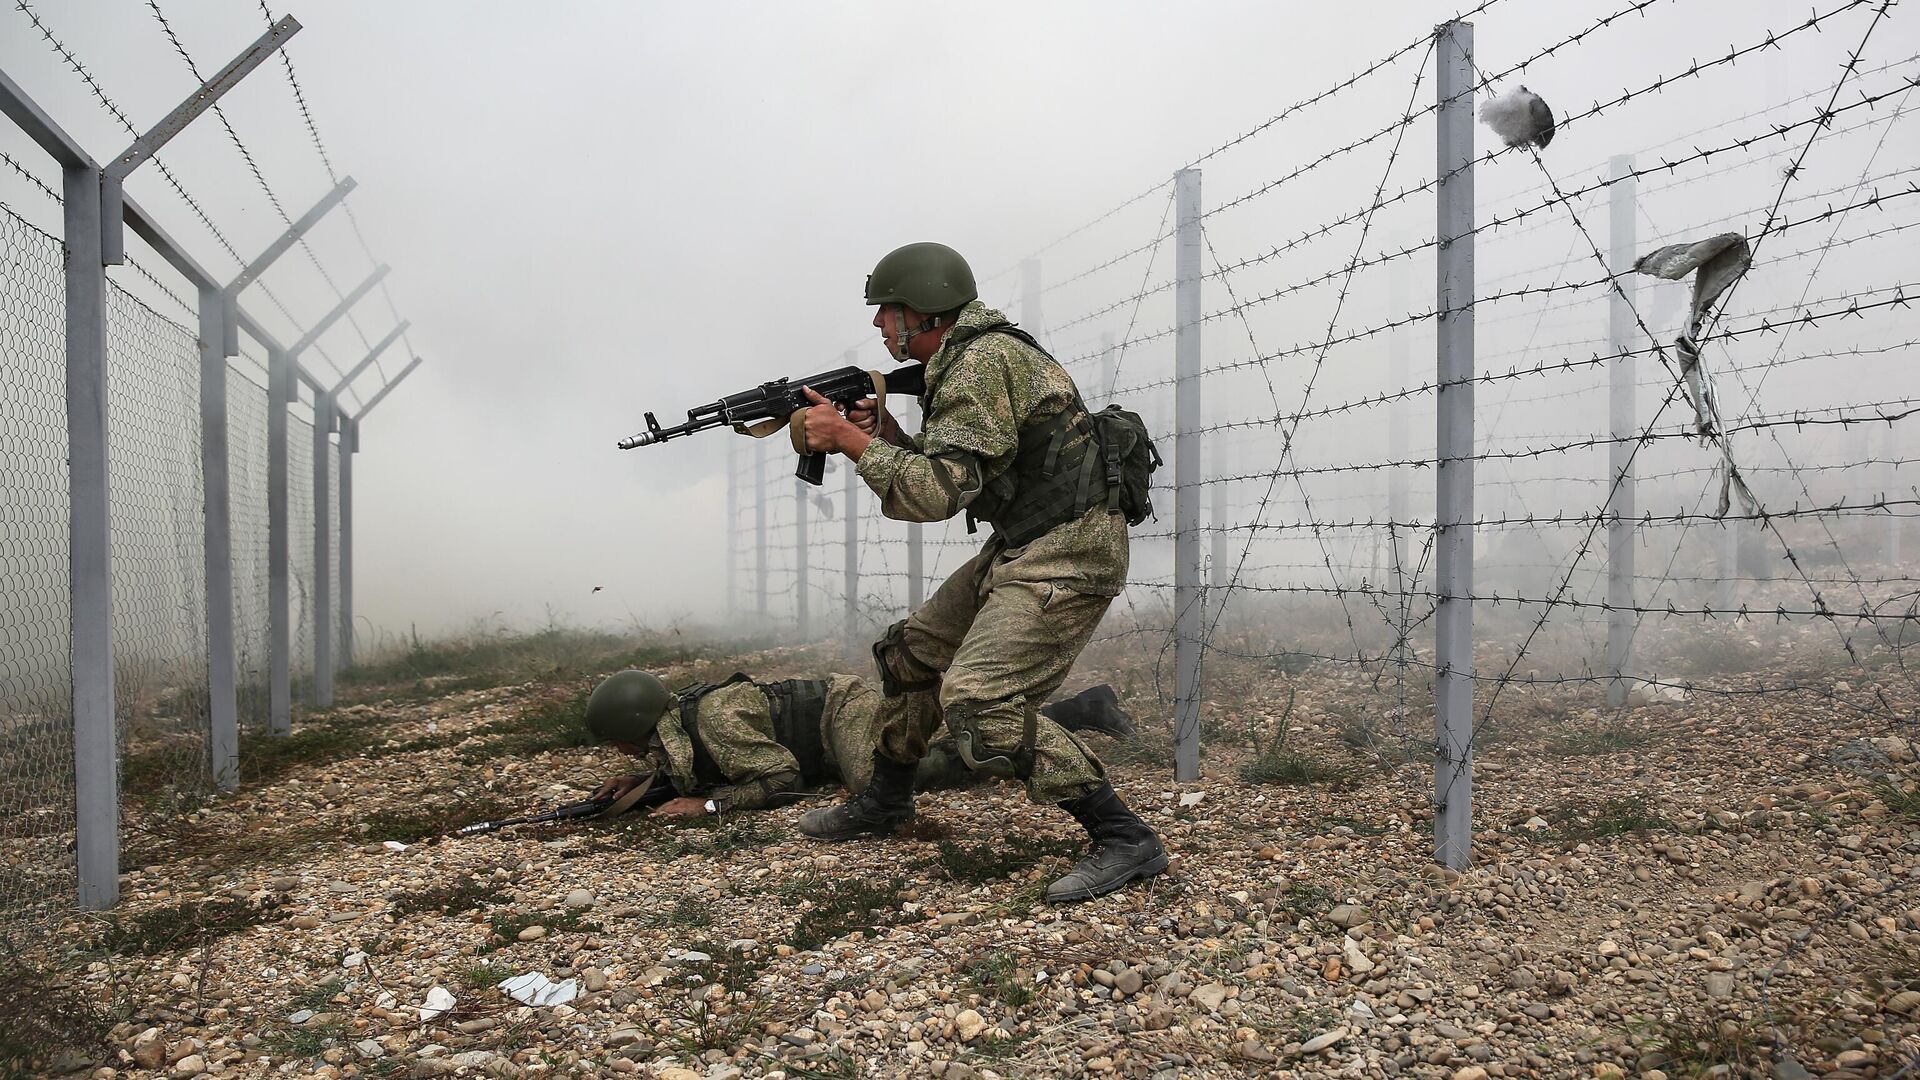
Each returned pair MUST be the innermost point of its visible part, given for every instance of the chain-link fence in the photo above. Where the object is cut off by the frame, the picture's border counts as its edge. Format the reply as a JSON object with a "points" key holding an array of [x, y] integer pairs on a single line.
{"points": [[36, 710], [247, 479]]}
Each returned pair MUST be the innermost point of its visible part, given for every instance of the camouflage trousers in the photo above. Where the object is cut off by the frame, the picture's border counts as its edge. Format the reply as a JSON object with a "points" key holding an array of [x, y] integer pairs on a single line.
{"points": [[981, 654]]}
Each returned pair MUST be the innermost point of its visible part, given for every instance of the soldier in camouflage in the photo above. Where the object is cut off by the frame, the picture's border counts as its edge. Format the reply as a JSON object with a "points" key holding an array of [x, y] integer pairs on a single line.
{"points": [[745, 745], [1006, 440]]}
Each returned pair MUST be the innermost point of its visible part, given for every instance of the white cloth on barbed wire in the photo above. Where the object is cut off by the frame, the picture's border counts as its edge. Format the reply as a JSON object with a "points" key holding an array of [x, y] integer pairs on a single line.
{"points": [[1519, 116], [1715, 263]]}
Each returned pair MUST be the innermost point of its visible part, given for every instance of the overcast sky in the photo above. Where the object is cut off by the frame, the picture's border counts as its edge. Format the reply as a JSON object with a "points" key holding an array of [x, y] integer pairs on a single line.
{"points": [[597, 209]]}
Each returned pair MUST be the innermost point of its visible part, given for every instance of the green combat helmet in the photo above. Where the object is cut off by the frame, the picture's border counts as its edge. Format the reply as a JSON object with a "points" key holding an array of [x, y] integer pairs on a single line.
{"points": [[929, 278], [626, 707]]}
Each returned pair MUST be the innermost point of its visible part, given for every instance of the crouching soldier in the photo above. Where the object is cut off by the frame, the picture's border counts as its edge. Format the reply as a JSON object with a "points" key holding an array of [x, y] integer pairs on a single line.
{"points": [[746, 745]]}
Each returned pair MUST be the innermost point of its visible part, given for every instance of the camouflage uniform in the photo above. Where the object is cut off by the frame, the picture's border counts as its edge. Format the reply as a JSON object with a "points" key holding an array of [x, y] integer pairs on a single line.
{"points": [[734, 758], [1002, 632]]}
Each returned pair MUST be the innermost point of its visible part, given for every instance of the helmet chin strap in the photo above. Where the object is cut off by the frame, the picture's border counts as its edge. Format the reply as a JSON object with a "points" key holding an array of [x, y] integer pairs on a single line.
{"points": [[902, 335]]}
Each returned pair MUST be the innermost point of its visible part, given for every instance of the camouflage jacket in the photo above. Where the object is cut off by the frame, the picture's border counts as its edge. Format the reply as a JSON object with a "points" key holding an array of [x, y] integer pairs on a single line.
{"points": [[733, 757], [982, 388]]}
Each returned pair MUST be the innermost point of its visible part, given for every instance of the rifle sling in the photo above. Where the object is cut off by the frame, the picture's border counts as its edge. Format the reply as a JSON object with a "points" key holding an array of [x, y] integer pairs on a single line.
{"points": [[627, 802]]}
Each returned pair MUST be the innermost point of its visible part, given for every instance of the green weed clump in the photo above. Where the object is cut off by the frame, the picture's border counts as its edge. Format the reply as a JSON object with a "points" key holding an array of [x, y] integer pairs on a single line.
{"points": [[43, 1019], [977, 864], [997, 977], [183, 926], [844, 907], [1285, 767]]}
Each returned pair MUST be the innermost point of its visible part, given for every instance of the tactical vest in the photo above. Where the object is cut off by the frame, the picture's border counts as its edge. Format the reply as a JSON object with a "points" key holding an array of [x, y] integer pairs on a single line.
{"points": [[1065, 465], [797, 706]]}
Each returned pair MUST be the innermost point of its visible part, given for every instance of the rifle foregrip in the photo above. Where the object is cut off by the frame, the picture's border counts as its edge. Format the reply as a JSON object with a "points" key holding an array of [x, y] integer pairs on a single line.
{"points": [[812, 468]]}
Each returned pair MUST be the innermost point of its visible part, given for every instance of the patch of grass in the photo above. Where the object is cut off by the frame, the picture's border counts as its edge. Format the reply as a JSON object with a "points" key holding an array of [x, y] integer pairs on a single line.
{"points": [[844, 907], [1281, 766], [1607, 739], [1695, 1046], [723, 1018], [688, 913], [411, 824], [1302, 900], [507, 926], [997, 1047], [717, 835], [997, 977], [977, 864], [1148, 745], [316, 997], [42, 1018], [554, 723], [1899, 800], [304, 1040], [183, 926], [485, 976], [456, 898], [493, 656], [1615, 817]]}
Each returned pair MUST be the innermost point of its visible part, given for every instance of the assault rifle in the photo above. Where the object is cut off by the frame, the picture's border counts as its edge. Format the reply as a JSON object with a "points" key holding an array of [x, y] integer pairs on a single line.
{"points": [[768, 407], [654, 796]]}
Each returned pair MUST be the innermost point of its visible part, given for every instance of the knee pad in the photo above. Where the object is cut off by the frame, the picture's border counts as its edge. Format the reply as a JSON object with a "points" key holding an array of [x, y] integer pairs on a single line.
{"points": [[892, 650], [962, 721]]}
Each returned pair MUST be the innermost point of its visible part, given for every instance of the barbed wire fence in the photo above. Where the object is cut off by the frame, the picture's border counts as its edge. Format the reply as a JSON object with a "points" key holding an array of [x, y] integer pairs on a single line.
{"points": [[173, 545], [1533, 528]]}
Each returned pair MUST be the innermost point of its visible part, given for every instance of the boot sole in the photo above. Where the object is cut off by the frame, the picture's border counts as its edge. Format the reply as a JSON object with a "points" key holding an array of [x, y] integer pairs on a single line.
{"points": [[1151, 868]]}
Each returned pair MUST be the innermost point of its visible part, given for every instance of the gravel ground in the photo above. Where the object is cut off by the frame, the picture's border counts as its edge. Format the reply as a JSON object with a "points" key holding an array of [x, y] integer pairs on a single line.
{"points": [[1703, 885]]}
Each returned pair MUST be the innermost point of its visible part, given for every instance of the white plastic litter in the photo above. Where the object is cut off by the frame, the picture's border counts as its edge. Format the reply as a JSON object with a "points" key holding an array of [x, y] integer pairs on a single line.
{"points": [[439, 1003], [393, 845], [1192, 798], [539, 991]]}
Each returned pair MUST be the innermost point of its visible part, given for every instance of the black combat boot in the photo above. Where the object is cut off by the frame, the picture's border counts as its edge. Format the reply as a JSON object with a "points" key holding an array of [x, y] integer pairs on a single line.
{"points": [[886, 805], [1096, 709], [1124, 848]]}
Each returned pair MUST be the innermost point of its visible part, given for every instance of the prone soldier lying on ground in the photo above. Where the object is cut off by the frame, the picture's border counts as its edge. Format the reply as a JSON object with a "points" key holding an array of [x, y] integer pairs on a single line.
{"points": [[745, 745]]}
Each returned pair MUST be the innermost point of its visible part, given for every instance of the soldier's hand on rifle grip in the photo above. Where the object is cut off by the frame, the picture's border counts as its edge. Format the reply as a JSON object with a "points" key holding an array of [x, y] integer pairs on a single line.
{"points": [[829, 432], [865, 414], [616, 787]]}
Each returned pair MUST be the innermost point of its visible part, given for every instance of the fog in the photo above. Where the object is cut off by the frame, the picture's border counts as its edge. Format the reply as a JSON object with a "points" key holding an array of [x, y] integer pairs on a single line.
{"points": [[596, 210]]}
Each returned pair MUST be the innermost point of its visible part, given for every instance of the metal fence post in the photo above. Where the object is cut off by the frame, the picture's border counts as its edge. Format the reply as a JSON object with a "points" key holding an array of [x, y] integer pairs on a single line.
{"points": [[1453, 487], [279, 619], [349, 446], [1109, 368], [760, 532], [800, 567], [916, 568], [1030, 291], [323, 411], [733, 522], [852, 512], [1187, 593], [96, 765], [1624, 244], [216, 530]]}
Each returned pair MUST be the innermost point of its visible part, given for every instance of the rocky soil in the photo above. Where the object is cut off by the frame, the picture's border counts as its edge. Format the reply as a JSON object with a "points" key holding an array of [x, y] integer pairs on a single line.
{"points": [[1702, 885]]}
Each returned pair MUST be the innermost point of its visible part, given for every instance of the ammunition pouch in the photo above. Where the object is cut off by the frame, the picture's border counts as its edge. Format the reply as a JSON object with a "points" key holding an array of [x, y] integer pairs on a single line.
{"points": [[798, 706], [894, 643]]}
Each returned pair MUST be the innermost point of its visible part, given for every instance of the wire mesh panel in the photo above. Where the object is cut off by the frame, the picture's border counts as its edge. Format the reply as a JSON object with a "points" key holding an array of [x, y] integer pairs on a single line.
{"points": [[300, 576], [247, 473], [36, 718], [335, 614], [159, 570]]}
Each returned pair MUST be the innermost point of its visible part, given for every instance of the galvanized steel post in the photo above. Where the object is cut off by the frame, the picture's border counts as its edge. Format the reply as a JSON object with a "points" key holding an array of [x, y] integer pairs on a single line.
{"points": [[916, 571], [279, 619], [323, 412], [1623, 242], [760, 532], [217, 535], [1453, 486], [96, 765], [1188, 597], [800, 606], [349, 446]]}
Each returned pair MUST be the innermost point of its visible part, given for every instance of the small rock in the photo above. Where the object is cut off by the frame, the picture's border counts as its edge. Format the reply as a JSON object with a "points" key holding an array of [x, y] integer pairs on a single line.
{"points": [[1906, 1002], [1347, 916], [969, 1024], [1789, 1069], [694, 956], [1129, 982], [1209, 996], [594, 980], [533, 933], [578, 898], [1325, 1039], [369, 1049], [300, 1017], [1357, 960], [353, 960], [473, 1059], [191, 1065], [1720, 986], [813, 969], [1471, 1072], [149, 1049]]}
